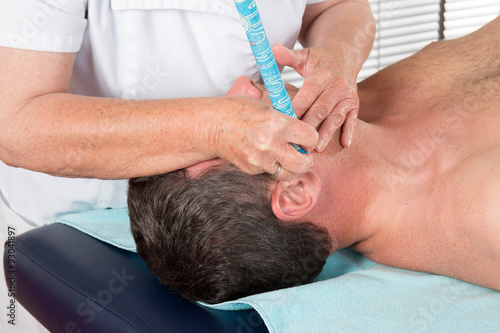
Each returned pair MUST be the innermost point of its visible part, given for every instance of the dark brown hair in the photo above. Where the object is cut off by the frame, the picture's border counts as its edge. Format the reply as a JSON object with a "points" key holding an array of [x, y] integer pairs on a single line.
{"points": [[215, 238]]}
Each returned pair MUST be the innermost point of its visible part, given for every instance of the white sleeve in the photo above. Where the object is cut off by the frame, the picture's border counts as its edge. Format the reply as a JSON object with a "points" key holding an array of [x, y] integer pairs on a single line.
{"points": [[43, 25], [309, 2]]}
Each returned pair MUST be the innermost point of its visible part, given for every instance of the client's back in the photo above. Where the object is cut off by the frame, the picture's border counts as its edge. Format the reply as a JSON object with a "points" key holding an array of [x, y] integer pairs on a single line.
{"points": [[441, 108]]}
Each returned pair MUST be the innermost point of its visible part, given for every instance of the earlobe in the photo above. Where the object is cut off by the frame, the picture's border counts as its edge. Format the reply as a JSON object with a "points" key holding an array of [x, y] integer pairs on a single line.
{"points": [[293, 199]]}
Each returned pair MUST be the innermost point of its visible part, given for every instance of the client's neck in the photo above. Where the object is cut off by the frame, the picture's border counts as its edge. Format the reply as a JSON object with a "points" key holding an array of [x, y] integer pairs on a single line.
{"points": [[351, 183]]}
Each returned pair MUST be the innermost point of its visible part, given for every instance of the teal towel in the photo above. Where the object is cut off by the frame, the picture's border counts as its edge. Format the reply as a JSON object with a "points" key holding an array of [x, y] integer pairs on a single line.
{"points": [[109, 225], [352, 293], [375, 298]]}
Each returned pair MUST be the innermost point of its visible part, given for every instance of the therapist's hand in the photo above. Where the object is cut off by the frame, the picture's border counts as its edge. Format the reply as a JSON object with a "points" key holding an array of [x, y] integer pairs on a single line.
{"points": [[255, 137], [328, 98]]}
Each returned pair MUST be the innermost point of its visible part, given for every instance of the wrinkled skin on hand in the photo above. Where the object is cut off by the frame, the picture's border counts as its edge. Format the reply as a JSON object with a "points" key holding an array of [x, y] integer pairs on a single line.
{"points": [[255, 137], [328, 98]]}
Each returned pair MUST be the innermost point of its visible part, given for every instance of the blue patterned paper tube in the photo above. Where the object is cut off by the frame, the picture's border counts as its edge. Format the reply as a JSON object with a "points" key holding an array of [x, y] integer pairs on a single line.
{"points": [[264, 57]]}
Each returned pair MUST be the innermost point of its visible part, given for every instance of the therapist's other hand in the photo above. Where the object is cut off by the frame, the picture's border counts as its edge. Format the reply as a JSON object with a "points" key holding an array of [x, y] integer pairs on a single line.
{"points": [[328, 98], [255, 137]]}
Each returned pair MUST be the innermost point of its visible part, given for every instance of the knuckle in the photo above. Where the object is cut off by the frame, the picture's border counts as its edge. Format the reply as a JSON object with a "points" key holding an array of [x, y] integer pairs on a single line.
{"points": [[252, 166], [313, 133], [336, 120], [253, 161], [263, 143], [318, 85], [320, 111], [267, 134], [311, 141], [305, 128], [301, 102], [314, 141], [326, 75], [352, 101]]}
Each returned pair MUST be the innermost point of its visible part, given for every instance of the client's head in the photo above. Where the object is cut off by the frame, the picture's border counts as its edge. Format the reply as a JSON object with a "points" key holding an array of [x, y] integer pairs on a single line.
{"points": [[214, 237]]}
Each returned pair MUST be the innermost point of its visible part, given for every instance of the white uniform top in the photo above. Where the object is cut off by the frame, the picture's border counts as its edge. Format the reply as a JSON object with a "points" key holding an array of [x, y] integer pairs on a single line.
{"points": [[137, 49]]}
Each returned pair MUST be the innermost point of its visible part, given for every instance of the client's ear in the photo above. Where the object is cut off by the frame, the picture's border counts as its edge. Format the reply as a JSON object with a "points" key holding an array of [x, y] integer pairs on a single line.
{"points": [[292, 199]]}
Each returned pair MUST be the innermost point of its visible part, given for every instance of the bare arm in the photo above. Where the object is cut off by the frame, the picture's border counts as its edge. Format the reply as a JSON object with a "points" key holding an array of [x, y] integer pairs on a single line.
{"points": [[340, 24], [475, 57], [45, 128], [460, 61]]}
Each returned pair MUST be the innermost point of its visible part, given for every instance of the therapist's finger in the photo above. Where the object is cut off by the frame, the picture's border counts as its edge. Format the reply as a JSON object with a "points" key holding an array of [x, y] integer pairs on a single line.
{"points": [[289, 158], [302, 134], [322, 108], [296, 59], [349, 128], [334, 121], [306, 96]]}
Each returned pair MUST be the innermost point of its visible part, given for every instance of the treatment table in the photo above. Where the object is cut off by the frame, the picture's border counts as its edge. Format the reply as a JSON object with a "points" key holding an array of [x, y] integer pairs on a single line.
{"points": [[82, 274], [72, 282]]}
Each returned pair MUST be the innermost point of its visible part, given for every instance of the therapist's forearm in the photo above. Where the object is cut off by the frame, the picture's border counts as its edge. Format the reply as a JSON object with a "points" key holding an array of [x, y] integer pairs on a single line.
{"points": [[348, 25], [78, 136]]}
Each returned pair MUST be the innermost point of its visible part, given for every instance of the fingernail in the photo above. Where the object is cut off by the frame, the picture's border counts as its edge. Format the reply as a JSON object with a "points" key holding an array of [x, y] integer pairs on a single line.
{"points": [[349, 140], [320, 146]]}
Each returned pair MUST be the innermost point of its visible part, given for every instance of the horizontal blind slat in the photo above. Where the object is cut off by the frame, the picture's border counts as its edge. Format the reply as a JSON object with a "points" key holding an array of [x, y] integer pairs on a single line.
{"points": [[465, 16], [403, 28], [454, 5]]}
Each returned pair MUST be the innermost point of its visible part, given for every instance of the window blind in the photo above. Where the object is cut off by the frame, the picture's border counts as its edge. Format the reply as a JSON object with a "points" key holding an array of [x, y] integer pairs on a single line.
{"points": [[403, 28], [406, 26], [464, 16]]}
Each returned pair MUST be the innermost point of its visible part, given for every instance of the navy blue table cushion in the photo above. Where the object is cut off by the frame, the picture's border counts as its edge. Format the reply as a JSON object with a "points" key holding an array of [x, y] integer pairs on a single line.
{"points": [[72, 282]]}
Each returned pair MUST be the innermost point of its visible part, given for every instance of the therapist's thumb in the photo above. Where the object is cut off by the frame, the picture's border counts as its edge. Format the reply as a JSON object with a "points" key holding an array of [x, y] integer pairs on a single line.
{"points": [[292, 58]]}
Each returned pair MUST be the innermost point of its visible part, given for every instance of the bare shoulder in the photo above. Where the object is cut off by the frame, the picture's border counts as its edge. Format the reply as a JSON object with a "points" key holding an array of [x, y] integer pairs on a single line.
{"points": [[455, 231], [473, 57], [461, 74]]}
